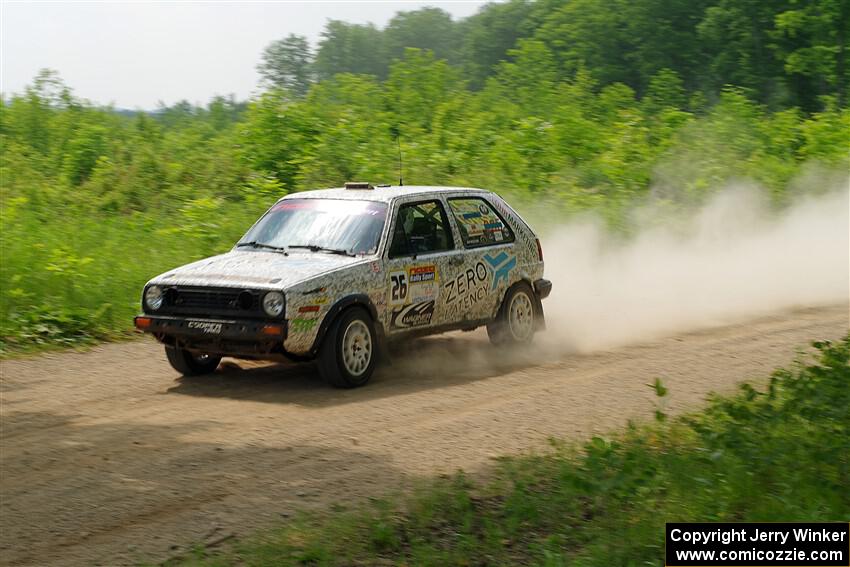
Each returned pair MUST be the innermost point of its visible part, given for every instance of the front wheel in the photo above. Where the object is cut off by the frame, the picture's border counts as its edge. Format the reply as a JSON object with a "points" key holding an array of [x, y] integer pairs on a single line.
{"points": [[515, 323], [191, 364], [349, 352]]}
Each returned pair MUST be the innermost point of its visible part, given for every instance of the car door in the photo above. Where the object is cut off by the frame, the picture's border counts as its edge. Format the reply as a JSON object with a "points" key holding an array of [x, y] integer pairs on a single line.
{"points": [[489, 260], [420, 256]]}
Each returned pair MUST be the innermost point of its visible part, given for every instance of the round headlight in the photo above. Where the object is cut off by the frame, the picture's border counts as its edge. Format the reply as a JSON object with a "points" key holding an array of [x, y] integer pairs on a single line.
{"points": [[273, 303], [154, 297]]}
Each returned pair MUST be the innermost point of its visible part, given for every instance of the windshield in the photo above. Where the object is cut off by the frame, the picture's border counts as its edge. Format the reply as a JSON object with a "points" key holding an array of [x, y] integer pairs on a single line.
{"points": [[319, 225]]}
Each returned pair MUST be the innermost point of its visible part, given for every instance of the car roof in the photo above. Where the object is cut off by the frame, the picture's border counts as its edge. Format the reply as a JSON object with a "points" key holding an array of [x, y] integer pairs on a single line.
{"points": [[385, 193]]}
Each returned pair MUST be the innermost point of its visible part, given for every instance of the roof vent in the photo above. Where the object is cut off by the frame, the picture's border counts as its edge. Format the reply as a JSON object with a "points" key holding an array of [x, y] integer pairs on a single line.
{"points": [[358, 185]]}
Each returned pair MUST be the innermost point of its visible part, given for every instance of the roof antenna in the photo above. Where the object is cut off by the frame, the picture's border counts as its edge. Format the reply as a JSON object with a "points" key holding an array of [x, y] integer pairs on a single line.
{"points": [[397, 134]]}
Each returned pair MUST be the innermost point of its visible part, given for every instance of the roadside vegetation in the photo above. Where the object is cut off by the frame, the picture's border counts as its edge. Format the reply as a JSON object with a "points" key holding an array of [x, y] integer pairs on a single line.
{"points": [[772, 454], [96, 200]]}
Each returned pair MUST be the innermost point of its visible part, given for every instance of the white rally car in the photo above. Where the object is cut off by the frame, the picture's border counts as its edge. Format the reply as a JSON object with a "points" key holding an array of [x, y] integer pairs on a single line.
{"points": [[335, 274]]}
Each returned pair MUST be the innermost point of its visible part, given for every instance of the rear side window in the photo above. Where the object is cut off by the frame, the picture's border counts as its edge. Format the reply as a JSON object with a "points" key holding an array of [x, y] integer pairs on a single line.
{"points": [[479, 223], [421, 228]]}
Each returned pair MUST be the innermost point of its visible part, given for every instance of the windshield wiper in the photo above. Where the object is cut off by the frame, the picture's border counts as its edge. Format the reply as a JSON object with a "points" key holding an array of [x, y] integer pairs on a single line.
{"points": [[255, 244], [317, 248]]}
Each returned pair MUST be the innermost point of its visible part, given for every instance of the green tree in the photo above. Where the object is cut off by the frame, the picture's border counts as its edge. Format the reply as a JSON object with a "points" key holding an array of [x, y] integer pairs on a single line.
{"points": [[351, 139], [275, 135], [181, 114], [812, 42], [530, 77], [287, 64], [737, 35], [416, 86], [350, 48], [487, 36], [224, 111], [428, 28], [666, 90], [626, 41], [591, 34], [661, 34], [82, 152], [31, 115]]}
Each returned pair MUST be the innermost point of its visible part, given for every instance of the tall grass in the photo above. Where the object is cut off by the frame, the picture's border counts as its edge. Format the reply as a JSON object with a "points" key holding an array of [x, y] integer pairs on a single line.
{"points": [[72, 276]]}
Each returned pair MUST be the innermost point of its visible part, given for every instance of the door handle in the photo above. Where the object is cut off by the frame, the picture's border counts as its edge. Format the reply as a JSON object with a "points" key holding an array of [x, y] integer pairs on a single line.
{"points": [[456, 260]]}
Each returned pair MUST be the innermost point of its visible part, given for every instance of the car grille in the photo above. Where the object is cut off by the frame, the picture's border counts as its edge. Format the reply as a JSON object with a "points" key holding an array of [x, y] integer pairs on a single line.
{"points": [[230, 302], [207, 299]]}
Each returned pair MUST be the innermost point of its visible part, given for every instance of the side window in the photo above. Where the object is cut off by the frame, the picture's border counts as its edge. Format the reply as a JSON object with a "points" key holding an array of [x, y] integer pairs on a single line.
{"points": [[479, 223], [421, 228]]}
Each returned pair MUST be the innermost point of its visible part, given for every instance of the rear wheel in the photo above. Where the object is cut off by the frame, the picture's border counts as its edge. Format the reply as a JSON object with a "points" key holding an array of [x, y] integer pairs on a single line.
{"points": [[191, 364], [349, 352], [515, 323]]}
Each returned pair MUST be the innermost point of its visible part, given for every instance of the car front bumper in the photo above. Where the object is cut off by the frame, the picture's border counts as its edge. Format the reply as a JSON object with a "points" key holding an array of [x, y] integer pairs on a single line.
{"points": [[231, 337]]}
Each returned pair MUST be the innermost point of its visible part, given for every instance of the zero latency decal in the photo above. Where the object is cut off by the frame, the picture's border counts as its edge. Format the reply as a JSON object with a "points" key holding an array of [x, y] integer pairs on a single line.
{"points": [[413, 291], [502, 266], [470, 287]]}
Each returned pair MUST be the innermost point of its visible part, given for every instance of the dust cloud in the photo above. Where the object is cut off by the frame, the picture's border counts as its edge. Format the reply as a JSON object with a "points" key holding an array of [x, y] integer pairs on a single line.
{"points": [[732, 259]]}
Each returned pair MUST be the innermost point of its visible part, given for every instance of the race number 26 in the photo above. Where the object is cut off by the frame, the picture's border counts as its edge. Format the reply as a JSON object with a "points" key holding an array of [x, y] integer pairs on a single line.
{"points": [[399, 286]]}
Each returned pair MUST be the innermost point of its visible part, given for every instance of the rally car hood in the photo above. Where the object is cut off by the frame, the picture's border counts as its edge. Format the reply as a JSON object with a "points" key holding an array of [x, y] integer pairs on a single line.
{"points": [[257, 269]]}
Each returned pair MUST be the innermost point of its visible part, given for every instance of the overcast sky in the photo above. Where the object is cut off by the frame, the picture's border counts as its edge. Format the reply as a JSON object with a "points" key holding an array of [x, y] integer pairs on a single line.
{"points": [[134, 54]]}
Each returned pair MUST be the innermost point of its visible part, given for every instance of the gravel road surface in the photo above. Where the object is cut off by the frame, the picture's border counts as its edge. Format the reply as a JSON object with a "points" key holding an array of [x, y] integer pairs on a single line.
{"points": [[109, 457]]}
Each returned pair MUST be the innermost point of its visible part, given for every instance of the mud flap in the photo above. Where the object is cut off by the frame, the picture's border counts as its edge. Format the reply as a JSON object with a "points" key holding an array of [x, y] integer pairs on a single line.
{"points": [[542, 288], [539, 317]]}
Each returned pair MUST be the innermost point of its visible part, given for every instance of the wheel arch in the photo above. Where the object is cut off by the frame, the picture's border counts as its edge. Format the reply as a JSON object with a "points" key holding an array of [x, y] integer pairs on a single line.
{"points": [[338, 308], [539, 317]]}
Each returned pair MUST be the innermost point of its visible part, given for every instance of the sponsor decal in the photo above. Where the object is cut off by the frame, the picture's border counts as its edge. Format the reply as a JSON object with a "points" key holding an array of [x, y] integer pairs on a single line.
{"points": [[372, 208], [423, 292], [413, 315], [503, 209], [480, 221], [308, 309], [414, 284], [375, 267], [292, 205], [468, 288], [302, 325], [206, 327], [502, 265], [423, 274], [531, 249]]}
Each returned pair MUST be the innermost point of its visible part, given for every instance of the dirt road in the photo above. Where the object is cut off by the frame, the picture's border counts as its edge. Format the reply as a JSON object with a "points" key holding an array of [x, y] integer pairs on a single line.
{"points": [[108, 457]]}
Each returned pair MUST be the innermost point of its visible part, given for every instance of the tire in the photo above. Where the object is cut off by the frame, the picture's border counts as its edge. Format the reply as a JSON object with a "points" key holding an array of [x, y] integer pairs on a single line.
{"points": [[349, 353], [516, 322], [189, 364]]}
